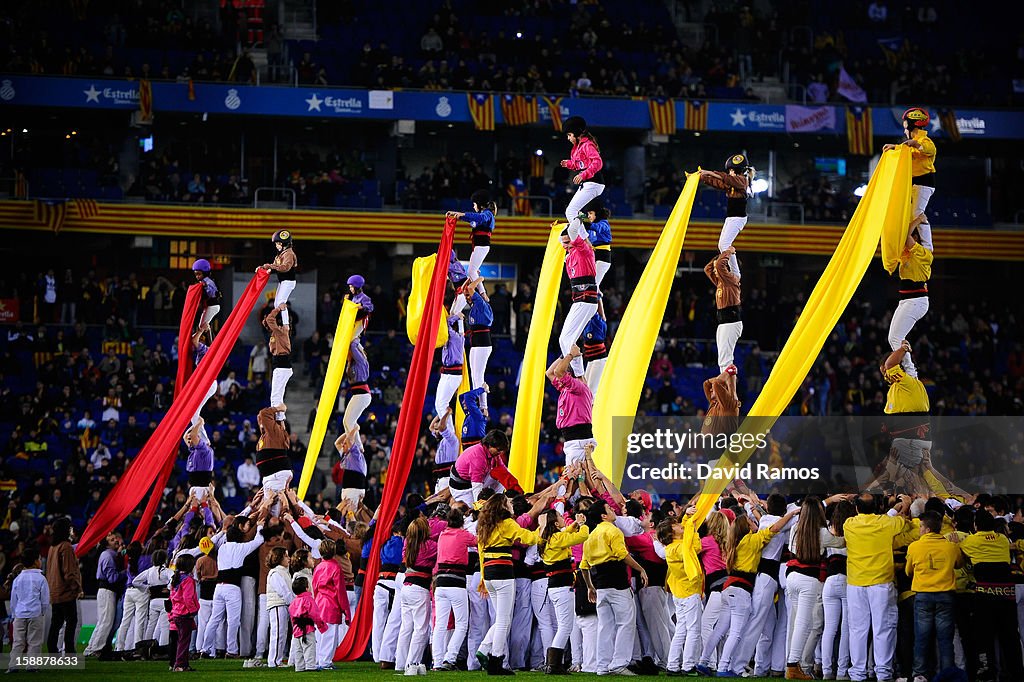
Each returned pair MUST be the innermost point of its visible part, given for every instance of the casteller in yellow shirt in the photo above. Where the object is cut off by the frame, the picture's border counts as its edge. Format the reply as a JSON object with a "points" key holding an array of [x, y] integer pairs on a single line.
{"points": [[931, 561], [869, 541]]}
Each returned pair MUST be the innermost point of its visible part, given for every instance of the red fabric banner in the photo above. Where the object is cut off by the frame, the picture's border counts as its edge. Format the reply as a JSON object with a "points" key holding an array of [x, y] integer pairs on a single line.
{"points": [[188, 316], [144, 469], [404, 447]]}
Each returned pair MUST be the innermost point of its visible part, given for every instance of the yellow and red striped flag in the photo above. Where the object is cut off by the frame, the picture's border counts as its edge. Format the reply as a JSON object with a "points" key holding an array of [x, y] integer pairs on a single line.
{"points": [[145, 101], [663, 115], [87, 208], [51, 214], [481, 109], [519, 110], [536, 166], [949, 125], [696, 115], [859, 132], [555, 107], [191, 91]]}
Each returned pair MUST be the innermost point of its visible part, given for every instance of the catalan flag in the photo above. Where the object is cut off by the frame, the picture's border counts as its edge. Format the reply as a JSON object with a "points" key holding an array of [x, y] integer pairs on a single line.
{"points": [[859, 133], [481, 108], [663, 115], [87, 208], [949, 125], [696, 115], [555, 107], [145, 101], [191, 91], [51, 214], [536, 166], [20, 185], [519, 110]]}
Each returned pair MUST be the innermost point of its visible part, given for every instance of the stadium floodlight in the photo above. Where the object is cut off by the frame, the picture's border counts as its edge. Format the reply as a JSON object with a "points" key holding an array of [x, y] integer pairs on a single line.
{"points": [[859, 192], [539, 152], [759, 185]]}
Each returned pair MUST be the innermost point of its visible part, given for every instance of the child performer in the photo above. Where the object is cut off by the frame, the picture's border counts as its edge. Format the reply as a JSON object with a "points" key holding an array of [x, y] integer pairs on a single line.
{"points": [[915, 127], [451, 365], [281, 352], [585, 161], [306, 620], [556, 553], [459, 279], [211, 294], [358, 384], [200, 460], [184, 609], [735, 182], [474, 427], [285, 265], [600, 233], [356, 294], [450, 595], [480, 319], [727, 302], [482, 222], [686, 594], [595, 351], [447, 447], [199, 352], [581, 268]]}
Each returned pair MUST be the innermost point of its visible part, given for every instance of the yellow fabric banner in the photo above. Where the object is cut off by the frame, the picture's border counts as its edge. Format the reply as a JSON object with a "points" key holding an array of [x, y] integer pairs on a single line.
{"points": [[526, 436], [630, 356], [885, 208], [894, 235], [422, 268], [329, 393]]}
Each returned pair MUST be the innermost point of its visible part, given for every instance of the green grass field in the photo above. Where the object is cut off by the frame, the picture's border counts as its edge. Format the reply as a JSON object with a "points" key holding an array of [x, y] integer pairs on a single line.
{"points": [[232, 671]]}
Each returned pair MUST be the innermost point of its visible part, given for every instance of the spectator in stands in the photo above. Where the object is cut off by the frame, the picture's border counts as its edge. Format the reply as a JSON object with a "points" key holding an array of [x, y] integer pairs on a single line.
{"points": [[248, 475], [431, 41]]}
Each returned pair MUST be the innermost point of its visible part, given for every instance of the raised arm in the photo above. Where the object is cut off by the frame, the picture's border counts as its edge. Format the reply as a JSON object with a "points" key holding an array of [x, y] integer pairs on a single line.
{"points": [[896, 357], [560, 366]]}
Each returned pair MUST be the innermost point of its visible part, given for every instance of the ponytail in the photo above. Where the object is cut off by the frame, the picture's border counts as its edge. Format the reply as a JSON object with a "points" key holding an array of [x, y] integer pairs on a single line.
{"points": [[491, 206], [586, 134]]}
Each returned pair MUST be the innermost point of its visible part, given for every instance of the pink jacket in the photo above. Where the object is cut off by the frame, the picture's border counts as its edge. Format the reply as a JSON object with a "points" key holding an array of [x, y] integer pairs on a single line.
{"points": [[184, 601], [304, 606], [453, 546], [437, 527], [585, 159], [329, 591]]}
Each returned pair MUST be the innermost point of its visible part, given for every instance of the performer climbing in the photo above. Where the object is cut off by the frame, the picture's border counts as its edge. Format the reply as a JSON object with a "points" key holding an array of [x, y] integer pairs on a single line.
{"points": [[585, 161], [451, 365], [199, 350], [200, 460], [595, 352], [915, 270], [482, 222], [285, 265], [600, 234], [915, 127], [580, 266], [723, 413], [727, 301], [474, 426], [735, 182], [476, 463], [211, 294], [281, 356], [356, 295], [353, 463], [459, 278], [358, 374], [480, 319], [443, 430], [575, 405], [272, 450]]}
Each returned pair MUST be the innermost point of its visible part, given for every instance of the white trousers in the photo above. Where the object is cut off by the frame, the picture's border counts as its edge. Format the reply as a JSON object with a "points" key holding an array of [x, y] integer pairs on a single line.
{"points": [[304, 653], [907, 313], [447, 386], [731, 229], [262, 627], [872, 611], [106, 611], [837, 622], [543, 612], [575, 322], [685, 648], [726, 337], [731, 625], [326, 643], [357, 404], [157, 627], [478, 357], [522, 626], [278, 384], [476, 259], [656, 606], [616, 629], [27, 636], [209, 394], [134, 614], [205, 610], [563, 603], [468, 495], [803, 599], [574, 450], [712, 610], [593, 372], [587, 627], [449, 600], [586, 192], [770, 653], [208, 314], [503, 594], [759, 624], [389, 641], [227, 609], [278, 640], [383, 602], [284, 291], [415, 629], [921, 196], [481, 615], [602, 269], [248, 619]]}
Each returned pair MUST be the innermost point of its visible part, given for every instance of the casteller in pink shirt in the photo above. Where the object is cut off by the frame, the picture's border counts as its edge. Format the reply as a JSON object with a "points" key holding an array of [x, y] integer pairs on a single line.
{"points": [[575, 401], [453, 546]]}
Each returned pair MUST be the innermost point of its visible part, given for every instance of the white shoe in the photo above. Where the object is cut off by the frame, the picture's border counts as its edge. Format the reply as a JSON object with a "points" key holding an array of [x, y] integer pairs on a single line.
{"points": [[622, 671], [411, 671], [421, 669]]}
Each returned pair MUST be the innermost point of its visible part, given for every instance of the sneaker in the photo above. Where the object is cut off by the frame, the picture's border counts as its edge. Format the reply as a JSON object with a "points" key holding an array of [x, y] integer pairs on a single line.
{"points": [[704, 670], [411, 671], [622, 671], [575, 668], [421, 669], [482, 657], [692, 672]]}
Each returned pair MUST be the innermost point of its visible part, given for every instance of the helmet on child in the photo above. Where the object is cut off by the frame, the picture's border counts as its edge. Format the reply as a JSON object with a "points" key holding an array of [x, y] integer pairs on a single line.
{"points": [[737, 162], [916, 117], [481, 198], [282, 237], [576, 125], [357, 281], [201, 265]]}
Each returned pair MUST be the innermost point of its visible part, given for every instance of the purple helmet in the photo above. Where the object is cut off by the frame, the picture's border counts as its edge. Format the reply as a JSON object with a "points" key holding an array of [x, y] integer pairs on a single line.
{"points": [[357, 281], [201, 265]]}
